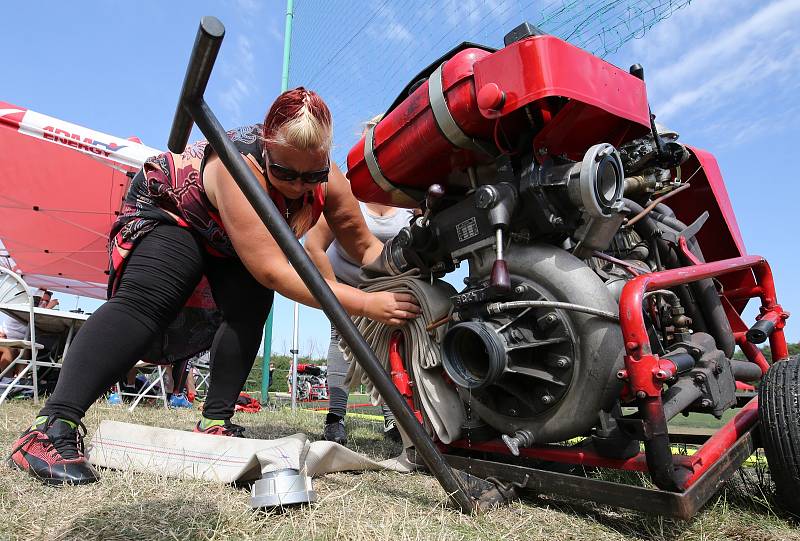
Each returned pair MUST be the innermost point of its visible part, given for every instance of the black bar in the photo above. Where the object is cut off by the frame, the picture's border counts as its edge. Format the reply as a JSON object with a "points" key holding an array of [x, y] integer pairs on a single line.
{"points": [[311, 276], [209, 38], [204, 53], [758, 333]]}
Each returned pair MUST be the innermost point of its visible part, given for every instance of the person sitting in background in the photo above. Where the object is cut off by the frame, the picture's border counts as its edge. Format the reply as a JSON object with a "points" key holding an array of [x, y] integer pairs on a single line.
{"points": [[46, 300], [333, 261]]}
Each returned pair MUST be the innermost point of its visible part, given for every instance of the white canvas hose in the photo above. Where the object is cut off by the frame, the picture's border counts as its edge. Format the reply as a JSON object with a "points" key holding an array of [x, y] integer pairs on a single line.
{"points": [[442, 407]]}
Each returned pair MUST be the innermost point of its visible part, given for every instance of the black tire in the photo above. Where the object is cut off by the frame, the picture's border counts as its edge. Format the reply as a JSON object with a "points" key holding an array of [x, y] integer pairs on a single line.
{"points": [[779, 412]]}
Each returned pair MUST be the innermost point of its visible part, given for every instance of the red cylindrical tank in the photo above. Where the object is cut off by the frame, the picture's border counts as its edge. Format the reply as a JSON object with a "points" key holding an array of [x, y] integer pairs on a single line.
{"points": [[409, 146]]}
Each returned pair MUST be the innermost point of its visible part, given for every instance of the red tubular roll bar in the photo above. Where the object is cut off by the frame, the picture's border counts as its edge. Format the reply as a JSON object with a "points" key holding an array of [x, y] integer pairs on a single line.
{"points": [[676, 473], [642, 366]]}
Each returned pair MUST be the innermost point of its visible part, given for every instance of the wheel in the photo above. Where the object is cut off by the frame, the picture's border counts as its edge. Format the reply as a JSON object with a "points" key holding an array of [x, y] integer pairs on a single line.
{"points": [[779, 412]]}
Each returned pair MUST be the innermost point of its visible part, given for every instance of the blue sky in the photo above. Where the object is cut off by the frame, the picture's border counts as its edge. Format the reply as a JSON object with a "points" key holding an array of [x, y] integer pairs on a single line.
{"points": [[721, 72]]}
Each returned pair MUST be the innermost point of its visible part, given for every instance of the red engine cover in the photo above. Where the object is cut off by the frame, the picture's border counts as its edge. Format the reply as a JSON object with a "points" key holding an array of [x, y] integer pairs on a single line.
{"points": [[606, 104]]}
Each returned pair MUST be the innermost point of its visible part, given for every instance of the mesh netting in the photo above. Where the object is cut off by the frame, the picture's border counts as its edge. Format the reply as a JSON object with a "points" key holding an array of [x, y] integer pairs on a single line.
{"points": [[359, 55]]}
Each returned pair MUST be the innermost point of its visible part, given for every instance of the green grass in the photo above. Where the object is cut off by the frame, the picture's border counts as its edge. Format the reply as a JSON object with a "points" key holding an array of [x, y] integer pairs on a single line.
{"points": [[370, 506]]}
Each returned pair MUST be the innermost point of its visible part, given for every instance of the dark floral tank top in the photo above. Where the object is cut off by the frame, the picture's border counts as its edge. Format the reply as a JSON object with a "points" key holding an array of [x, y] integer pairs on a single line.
{"points": [[169, 189]]}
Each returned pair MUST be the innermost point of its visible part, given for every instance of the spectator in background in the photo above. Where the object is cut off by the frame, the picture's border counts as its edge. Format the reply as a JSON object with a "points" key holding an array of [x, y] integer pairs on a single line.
{"points": [[46, 300], [333, 262]]}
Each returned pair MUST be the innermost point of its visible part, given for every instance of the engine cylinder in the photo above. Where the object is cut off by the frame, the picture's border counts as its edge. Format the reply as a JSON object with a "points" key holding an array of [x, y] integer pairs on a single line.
{"points": [[473, 354]]}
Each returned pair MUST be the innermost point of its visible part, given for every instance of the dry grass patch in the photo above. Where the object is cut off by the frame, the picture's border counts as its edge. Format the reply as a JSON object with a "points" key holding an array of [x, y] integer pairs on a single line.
{"points": [[369, 506]]}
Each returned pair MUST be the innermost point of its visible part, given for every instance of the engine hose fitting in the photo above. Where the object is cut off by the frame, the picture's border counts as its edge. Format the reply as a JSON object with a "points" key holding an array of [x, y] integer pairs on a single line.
{"points": [[520, 439], [473, 354]]}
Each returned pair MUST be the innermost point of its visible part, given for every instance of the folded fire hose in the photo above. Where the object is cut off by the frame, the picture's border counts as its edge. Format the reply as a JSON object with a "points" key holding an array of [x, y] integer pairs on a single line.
{"points": [[282, 468], [442, 408]]}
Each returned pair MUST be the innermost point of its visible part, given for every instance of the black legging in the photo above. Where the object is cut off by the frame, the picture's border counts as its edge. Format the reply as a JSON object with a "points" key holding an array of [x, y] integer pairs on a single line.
{"points": [[159, 277]]}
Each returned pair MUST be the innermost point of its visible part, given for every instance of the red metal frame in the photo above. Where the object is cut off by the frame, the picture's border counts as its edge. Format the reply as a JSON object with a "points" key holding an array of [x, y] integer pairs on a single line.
{"points": [[644, 382], [399, 374]]}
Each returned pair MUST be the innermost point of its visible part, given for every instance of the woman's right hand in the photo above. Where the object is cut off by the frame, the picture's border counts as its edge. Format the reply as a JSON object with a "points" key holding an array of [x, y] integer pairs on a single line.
{"points": [[391, 308]]}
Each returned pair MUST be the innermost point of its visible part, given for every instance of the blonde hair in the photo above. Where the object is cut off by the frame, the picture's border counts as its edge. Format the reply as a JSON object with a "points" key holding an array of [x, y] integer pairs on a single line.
{"points": [[299, 118]]}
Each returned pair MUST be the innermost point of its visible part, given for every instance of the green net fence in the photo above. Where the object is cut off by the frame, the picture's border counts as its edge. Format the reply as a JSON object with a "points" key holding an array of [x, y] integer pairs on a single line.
{"points": [[359, 55]]}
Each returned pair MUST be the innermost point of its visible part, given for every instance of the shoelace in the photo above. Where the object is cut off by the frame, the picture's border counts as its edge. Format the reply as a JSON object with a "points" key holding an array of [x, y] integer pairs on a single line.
{"points": [[67, 446], [237, 431]]}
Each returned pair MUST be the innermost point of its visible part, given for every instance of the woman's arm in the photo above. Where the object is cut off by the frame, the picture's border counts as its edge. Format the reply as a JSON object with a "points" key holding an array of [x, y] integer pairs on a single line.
{"points": [[266, 262], [317, 241], [346, 221]]}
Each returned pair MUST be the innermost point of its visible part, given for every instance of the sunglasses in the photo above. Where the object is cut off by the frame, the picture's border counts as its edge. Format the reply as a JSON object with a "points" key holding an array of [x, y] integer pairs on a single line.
{"points": [[309, 177]]}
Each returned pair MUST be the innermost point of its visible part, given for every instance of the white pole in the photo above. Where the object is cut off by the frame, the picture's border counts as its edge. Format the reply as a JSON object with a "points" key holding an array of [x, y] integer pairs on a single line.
{"points": [[295, 351]]}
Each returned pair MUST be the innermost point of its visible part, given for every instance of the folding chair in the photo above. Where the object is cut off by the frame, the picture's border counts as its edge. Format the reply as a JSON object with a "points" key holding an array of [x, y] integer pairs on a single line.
{"points": [[202, 366], [14, 293], [155, 378]]}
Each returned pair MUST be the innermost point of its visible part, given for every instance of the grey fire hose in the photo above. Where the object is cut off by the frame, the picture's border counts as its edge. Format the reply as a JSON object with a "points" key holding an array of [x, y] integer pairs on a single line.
{"points": [[442, 407]]}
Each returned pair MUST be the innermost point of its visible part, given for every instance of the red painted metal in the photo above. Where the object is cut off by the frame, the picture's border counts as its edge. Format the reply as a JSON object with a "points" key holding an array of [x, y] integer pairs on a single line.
{"points": [[566, 455], [552, 453], [722, 440], [640, 363], [544, 66], [411, 125], [606, 105], [742, 386], [399, 374], [720, 237]]}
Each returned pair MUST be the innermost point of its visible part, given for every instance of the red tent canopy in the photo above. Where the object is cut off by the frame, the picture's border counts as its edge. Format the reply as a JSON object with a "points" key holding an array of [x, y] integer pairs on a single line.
{"points": [[61, 186]]}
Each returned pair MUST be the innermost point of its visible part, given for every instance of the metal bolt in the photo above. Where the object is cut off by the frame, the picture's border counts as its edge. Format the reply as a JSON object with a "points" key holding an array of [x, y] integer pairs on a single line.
{"points": [[632, 345], [662, 375], [542, 151], [519, 290], [641, 394], [699, 378], [622, 374], [547, 399], [512, 412], [706, 403], [562, 362]]}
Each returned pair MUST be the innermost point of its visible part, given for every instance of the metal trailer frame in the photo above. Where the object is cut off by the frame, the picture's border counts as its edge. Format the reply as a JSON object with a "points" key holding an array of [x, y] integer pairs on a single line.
{"points": [[685, 482]]}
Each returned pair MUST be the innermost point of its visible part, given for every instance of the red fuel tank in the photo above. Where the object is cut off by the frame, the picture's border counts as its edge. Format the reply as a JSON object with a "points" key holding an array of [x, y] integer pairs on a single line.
{"points": [[567, 97], [423, 140]]}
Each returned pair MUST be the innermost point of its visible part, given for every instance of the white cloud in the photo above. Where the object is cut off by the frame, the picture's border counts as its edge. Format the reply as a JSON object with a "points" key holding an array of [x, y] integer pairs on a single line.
{"points": [[728, 44], [241, 72], [724, 70]]}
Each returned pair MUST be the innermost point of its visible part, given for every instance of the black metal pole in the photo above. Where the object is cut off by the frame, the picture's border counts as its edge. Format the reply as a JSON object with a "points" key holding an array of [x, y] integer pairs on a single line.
{"points": [[196, 107]]}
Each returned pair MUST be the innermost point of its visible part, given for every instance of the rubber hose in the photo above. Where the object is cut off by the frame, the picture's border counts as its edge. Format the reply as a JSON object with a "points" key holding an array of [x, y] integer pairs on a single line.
{"points": [[647, 228], [710, 303]]}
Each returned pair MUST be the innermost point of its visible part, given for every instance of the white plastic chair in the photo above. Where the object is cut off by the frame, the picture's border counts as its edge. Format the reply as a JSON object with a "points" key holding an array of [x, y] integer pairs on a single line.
{"points": [[156, 378], [202, 367], [14, 292]]}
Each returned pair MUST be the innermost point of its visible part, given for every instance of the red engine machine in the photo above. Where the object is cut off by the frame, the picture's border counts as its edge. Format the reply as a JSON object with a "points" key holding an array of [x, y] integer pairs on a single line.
{"points": [[607, 275]]}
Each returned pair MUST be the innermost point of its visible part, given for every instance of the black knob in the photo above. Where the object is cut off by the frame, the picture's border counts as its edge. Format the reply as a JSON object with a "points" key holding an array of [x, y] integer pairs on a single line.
{"points": [[433, 197], [758, 333]]}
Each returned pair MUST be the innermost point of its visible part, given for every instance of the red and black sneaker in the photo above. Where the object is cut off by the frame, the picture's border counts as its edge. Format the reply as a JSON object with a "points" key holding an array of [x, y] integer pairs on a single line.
{"points": [[221, 428], [52, 451]]}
